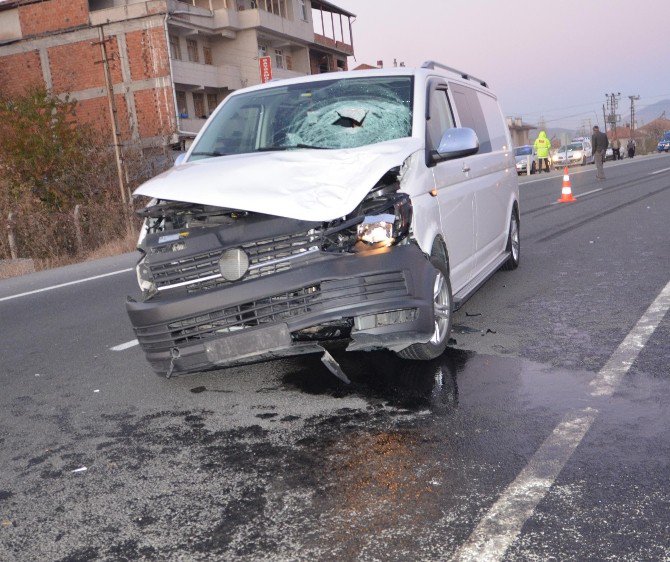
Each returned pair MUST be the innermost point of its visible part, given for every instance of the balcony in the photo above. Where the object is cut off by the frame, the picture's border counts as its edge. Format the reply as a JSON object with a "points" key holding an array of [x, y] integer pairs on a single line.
{"points": [[257, 18], [206, 75], [333, 44]]}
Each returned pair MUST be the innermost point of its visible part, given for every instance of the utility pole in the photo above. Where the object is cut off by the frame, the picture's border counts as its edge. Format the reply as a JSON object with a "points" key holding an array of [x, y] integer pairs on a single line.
{"points": [[604, 119], [632, 99], [115, 126], [612, 105]]}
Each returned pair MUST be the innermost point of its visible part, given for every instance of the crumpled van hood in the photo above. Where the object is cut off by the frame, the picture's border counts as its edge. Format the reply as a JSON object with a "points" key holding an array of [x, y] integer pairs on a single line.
{"points": [[303, 184]]}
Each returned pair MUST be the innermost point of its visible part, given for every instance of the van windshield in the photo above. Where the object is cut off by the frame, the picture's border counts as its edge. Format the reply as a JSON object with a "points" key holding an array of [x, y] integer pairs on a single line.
{"points": [[329, 114]]}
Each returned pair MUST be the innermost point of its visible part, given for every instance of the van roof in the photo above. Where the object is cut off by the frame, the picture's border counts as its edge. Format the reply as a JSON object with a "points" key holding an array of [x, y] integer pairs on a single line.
{"points": [[423, 72]]}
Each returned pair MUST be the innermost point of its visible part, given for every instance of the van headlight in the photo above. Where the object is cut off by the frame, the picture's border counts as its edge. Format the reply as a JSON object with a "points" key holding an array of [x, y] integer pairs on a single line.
{"points": [[385, 228], [377, 229], [144, 278]]}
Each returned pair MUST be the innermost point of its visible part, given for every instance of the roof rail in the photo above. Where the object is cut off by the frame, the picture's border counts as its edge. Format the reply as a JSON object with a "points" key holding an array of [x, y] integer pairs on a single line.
{"points": [[431, 64]]}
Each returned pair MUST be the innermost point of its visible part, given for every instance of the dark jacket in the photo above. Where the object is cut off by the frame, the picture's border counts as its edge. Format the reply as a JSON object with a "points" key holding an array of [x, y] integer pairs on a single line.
{"points": [[599, 142]]}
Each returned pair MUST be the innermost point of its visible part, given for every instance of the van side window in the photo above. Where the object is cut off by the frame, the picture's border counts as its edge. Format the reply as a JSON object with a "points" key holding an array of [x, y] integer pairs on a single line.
{"points": [[494, 122], [471, 114], [441, 118]]}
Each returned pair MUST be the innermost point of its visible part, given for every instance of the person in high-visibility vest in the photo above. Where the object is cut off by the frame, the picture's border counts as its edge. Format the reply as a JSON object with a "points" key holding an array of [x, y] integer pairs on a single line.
{"points": [[542, 145]]}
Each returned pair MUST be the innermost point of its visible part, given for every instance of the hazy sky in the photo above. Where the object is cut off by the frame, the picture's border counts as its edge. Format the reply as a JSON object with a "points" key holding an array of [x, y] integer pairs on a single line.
{"points": [[555, 59]]}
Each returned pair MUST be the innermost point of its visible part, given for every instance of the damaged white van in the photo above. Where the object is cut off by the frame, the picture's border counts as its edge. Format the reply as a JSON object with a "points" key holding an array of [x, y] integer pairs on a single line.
{"points": [[360, 206]]}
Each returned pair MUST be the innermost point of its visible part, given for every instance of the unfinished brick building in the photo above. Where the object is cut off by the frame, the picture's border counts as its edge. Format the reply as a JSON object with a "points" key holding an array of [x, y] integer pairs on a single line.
{"points": [[168, 62]]}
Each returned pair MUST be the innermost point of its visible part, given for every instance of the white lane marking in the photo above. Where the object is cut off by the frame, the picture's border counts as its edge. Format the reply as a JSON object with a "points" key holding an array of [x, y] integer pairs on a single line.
{"points": [[589, 192], [659, 171], [65, 284], [581, 195], [127, 345], [610, 376], [501, 525]]}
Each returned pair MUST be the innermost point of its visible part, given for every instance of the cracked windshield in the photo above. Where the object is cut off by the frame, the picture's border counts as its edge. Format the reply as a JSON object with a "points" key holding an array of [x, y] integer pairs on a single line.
{"points": [[328, 114]]}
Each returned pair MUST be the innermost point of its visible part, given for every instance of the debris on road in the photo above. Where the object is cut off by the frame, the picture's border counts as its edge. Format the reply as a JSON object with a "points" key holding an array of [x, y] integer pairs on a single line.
{"points": [[81, 469], [334, 367]]}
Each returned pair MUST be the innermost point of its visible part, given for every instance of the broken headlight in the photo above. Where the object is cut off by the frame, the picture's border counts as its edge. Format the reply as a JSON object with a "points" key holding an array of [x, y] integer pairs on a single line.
{"points": [[144, 278], [385, 223]]}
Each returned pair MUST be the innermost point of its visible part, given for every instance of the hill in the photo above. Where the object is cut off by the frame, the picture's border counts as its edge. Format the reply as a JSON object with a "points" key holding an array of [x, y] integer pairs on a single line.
{"points": [[649, 113]]}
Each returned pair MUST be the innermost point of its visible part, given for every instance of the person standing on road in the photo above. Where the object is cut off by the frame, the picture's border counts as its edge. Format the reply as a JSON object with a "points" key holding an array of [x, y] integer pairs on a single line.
{"points": [[542, 145], [616, 148], [631, 148], [599, 143]]}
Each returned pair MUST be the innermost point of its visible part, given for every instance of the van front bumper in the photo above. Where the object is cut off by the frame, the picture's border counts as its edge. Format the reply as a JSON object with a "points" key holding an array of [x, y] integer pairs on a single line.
{"points": [[386, 296]]}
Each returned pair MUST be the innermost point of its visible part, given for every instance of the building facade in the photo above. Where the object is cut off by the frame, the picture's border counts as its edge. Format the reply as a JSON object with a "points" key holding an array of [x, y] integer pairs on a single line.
{"points": [[153, 70]]}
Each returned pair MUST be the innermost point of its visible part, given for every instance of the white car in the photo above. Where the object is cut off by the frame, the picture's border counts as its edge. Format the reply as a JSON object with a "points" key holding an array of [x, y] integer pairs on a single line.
{"points": [[574, 153], [360, 206]]}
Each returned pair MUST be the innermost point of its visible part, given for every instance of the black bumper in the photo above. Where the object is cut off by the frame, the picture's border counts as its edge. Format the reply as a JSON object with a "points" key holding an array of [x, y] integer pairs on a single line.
{"points": [[254, 320]]}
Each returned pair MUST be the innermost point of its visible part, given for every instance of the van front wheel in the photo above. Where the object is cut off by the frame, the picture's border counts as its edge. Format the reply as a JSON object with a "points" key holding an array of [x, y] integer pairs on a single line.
{"points": [[442, 313]]}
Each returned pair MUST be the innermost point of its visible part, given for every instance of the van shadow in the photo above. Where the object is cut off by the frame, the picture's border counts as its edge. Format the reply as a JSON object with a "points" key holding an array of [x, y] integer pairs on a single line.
{"points": [[382, 376]]}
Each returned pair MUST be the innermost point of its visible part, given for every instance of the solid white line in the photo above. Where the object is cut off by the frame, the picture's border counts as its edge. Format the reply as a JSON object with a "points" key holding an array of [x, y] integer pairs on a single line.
{"points": [[65, 284], [501, 525], [127, 345], [659, 171]]}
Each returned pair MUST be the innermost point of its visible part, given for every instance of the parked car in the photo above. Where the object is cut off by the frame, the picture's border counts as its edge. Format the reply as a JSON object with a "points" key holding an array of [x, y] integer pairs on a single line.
{"points": [[522, 154], [364, 207], [574, 153], [664, 143]]}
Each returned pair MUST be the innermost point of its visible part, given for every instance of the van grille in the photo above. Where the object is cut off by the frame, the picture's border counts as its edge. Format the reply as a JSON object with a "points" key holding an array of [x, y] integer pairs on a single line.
{"points": [[198, 271]]}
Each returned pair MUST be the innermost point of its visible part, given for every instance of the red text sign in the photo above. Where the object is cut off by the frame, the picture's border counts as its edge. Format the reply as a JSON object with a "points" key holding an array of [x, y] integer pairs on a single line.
{"points": [[265, 64]]}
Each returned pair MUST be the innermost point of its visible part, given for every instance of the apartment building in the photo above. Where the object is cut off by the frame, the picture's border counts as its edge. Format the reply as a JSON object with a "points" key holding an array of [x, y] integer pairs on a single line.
{"points": [[154, 70]]}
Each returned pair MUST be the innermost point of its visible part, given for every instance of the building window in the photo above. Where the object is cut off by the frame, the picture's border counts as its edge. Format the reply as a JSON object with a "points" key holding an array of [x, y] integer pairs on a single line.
{"points": [[199, 106], [192, 47], [276, 7], [207, 55], [279, 58], [303, 9], [262, 50], [175, 48], [212, 102], [181, 105]]}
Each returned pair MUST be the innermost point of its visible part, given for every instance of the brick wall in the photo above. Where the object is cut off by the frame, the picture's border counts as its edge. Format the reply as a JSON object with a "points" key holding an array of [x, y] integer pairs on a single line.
{"points": [[73, 66], [52, 15], [147, 53], [155, 111], [24, 65], [95, 112]]}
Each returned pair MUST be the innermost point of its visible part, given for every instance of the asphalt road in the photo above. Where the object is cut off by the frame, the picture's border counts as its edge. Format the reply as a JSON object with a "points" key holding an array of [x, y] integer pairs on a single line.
{"points": [[540, 434]]}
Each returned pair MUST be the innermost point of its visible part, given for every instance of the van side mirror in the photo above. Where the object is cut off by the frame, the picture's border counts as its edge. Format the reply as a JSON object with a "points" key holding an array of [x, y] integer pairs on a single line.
{"points": [[457, 142], [180, 159]]}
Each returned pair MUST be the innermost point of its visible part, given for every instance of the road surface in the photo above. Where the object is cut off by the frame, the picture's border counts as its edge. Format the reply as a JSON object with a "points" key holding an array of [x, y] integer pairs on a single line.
{"points": [[540, 434]]}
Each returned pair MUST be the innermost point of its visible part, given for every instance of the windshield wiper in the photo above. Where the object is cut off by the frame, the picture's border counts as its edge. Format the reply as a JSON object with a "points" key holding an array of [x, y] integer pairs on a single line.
{"points": [[212, 153], [291, 147]]}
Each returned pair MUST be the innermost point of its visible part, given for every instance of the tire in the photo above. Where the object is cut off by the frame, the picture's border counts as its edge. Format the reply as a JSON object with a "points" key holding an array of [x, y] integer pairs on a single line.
{"points": [[513, 244], [444, 300]]}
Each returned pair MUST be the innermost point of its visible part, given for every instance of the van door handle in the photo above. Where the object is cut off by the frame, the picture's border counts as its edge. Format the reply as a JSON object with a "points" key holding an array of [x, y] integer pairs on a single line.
{"points": [[466, 168]]}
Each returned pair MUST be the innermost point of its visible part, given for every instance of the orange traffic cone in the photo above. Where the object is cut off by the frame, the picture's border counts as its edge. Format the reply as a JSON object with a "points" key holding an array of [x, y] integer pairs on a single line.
{"points": [[566, 192]]}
